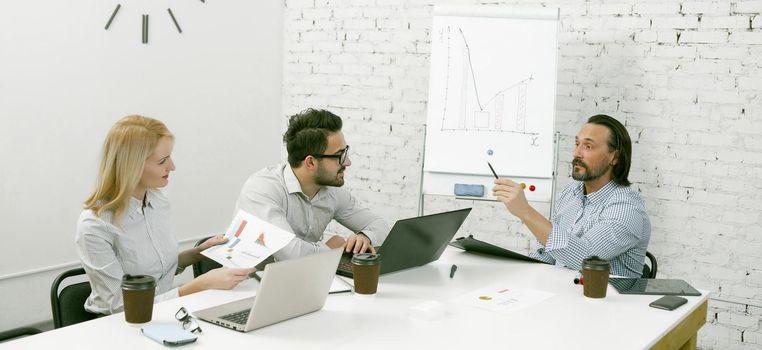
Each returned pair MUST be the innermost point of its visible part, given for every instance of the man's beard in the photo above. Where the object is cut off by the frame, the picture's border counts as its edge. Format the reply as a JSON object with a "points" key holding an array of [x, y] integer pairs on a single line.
{"points": [[325, 178], [590, 174]]}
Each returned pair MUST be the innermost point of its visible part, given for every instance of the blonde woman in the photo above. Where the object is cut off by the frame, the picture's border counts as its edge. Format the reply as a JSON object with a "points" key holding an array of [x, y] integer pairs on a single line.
{"points": [[125, 227]]}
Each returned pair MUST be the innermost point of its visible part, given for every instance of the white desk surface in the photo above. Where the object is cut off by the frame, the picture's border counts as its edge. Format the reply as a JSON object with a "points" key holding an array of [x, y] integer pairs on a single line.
{"points": [[565, 321]]}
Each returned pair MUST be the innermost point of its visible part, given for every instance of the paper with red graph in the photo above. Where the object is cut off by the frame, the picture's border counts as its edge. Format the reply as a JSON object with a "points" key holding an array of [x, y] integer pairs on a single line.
{"points": [[250, 241]]}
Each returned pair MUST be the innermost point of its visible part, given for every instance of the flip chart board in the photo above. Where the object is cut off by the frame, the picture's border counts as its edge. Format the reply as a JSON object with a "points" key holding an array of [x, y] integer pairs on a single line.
{"points": [[492, 94]]}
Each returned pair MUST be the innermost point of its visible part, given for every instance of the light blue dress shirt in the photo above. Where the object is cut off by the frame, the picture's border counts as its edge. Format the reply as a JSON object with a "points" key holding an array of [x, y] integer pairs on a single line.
{"points": [[611, 223]]}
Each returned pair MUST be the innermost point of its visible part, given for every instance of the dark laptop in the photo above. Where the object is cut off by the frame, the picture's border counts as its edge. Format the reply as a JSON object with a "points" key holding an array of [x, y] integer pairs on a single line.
{"points": [[413, 242]]}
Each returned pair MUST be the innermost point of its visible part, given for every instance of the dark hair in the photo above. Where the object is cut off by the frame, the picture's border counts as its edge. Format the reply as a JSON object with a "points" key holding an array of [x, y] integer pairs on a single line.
{"points": [[308, 132], [619, 140]]}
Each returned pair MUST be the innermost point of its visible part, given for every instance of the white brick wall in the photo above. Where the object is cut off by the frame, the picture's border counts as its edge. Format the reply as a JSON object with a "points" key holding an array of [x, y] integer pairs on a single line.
{"points": [[684, 76]]}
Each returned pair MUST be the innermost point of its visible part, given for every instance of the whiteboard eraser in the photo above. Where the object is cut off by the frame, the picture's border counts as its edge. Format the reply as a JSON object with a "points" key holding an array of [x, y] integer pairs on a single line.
{"points": [[469, 190]]}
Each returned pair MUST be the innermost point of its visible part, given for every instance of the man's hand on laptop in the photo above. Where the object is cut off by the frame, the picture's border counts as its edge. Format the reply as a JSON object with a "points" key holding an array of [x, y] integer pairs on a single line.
{"points": [[335, 242], [359, 243]]}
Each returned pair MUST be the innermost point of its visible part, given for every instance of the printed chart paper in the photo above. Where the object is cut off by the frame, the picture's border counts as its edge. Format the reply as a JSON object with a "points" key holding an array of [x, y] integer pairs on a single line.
{"points": [[250, 241], [503, 298]]}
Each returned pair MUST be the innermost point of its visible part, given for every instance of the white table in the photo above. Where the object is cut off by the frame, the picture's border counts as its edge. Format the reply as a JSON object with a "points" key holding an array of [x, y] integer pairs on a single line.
{"points": [[565, 321]]}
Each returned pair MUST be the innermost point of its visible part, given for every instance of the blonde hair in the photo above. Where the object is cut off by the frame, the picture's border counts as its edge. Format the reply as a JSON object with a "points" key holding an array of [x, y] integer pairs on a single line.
{"points": [[129, 143]]}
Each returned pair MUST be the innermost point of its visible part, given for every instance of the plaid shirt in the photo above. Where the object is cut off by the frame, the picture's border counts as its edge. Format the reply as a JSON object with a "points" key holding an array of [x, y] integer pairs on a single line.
{"points": [[611, 223]]}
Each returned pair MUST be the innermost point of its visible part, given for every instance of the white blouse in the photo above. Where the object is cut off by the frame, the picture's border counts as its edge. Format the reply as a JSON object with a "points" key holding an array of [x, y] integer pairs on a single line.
{"points": [[142, 243]]}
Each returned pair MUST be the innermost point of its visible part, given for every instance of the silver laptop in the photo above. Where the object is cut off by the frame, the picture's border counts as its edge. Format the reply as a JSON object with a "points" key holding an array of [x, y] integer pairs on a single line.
{"points": [[289, 289]]}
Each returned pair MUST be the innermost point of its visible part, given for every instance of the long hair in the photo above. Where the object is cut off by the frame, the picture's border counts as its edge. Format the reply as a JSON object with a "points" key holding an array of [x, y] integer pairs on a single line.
{"points": [[128, 145], [619, 141]]}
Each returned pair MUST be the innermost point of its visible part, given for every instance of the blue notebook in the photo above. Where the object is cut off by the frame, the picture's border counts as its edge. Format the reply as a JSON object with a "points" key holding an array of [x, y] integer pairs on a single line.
{"points": [[170, 334]]}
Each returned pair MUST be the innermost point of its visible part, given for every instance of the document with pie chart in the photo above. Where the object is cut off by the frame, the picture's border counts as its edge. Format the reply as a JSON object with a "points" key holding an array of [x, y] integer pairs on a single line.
{"points": [[250, 241], [503, 298]]}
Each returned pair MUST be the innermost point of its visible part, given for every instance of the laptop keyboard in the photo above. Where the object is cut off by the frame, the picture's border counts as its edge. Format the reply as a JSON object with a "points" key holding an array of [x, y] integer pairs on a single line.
{"points": [[345, 264], [239, 317]]}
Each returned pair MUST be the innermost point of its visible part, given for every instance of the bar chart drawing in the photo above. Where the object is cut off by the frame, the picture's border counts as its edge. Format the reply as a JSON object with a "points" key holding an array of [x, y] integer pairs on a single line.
{"points": [[492, 92], [470, 109], [250, 240], [235, 238]]}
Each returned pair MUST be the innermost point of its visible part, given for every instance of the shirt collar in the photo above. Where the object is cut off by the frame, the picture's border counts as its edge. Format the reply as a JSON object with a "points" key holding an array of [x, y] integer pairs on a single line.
{"points": [[136, 205], [603, 192], [292, 183]]}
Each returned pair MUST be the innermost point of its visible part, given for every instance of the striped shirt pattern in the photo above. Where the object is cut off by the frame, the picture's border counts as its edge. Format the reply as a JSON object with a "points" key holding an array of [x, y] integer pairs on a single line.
{"points": [[611, 223], [142, 243]]}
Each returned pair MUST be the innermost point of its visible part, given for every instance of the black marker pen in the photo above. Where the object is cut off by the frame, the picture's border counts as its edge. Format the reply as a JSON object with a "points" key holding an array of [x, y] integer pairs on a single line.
{"points": [[493, 170]]}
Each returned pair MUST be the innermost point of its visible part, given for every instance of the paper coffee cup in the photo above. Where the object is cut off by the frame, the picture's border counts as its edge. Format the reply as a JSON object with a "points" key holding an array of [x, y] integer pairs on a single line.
{"points": [[138, 292], [365, 269], [595, 272]]}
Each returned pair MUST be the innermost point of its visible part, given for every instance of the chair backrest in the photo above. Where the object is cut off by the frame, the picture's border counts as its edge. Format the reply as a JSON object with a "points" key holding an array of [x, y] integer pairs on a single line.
{"points": [[18, 332], [650, 272], [68, 305], [203, 266]]}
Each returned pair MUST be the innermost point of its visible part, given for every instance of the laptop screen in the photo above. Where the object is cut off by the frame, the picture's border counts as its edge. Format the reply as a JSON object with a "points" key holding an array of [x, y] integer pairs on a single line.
{"points": [[419, 241]]}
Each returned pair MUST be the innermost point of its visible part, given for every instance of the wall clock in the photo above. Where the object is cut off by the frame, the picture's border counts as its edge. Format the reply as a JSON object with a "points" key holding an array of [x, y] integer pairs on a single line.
{"points": [[144, 26]]}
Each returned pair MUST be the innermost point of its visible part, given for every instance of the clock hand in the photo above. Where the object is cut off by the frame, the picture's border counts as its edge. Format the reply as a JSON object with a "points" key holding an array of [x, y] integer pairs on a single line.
{"points": [[118, 6], [145, 29], [174, 20]]}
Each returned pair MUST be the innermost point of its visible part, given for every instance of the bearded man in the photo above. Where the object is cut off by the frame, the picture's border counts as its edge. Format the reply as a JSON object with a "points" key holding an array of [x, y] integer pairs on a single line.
{"points": [[598, 214], [305, 194]]}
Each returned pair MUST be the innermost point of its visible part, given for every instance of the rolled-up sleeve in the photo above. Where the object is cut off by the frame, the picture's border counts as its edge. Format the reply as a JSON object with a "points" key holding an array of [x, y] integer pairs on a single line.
{"points": [[614, 233]]}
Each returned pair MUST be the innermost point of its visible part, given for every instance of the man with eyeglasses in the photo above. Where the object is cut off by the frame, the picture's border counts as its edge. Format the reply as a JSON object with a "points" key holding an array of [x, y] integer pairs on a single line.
{"points": [[305, 194]]}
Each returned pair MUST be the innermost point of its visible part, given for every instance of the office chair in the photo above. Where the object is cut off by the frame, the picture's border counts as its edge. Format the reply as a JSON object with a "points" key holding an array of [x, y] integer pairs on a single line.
{"points": [[203, 266], [650, 272], [18, 332], [69, 305]]}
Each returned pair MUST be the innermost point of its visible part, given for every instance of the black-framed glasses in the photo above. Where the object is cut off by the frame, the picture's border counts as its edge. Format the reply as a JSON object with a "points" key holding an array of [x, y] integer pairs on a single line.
{"points": [[341, 156], [190, 324]]}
